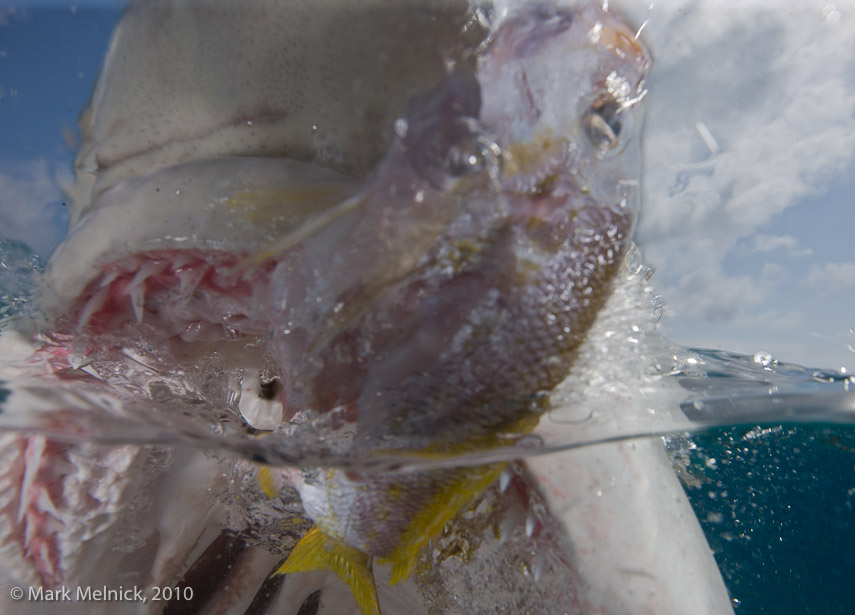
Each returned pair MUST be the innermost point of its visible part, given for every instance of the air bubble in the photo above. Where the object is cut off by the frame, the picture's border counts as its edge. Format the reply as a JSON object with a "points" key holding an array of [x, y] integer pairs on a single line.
{"points": [[715, 517], [401, 126]]}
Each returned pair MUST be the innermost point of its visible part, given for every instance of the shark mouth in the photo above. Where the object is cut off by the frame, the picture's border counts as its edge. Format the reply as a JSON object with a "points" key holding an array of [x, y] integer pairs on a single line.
{"points": [[189, 294]]}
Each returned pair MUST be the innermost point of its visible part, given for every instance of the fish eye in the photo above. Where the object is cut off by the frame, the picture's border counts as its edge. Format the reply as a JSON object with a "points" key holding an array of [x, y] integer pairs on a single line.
{"points": [[474, 153], [602, 124]]}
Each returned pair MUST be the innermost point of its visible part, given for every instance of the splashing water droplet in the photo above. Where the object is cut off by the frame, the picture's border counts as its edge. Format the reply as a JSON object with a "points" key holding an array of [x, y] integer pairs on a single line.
{"points": [[763, 358], [19, 267]]}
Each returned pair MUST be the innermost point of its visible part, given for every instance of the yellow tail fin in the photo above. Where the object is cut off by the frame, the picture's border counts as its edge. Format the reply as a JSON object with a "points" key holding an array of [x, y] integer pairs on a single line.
{"points": [[317, 551]]}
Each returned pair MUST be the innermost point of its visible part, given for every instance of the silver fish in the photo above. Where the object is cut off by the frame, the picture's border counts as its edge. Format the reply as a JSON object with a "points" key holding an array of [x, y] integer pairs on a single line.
{"points": [[447, 195]]}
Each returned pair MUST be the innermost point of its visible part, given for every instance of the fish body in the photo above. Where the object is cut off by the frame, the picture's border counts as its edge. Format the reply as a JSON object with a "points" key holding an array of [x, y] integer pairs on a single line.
{"points": [[489, 284], [406, 255]]}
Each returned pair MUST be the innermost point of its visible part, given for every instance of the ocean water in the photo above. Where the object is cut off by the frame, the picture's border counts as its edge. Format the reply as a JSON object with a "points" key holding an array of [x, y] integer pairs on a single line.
{"points": [[776, 500], [777, 504]]}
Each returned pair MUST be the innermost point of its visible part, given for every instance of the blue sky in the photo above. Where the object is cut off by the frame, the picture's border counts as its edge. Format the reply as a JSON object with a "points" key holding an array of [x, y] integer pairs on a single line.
{"points": [[750, 233], [50, 54]]}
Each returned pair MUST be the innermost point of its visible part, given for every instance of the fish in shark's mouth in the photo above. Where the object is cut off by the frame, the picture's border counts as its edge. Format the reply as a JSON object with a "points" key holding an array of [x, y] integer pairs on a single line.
{"points": [[413, 272]]}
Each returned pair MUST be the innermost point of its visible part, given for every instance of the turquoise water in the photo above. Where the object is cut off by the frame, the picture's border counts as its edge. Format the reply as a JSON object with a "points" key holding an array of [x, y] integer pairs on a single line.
{"points": [[778, 507]]}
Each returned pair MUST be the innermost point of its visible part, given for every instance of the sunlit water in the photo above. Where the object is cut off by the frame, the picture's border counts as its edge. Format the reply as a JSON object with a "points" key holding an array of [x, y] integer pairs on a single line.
{"points": [[767, 455]]}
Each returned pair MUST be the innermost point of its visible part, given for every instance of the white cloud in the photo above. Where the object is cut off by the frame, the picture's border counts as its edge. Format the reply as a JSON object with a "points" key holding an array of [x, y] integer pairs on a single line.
{"points": [[29, 193], [772, 319], [708, 293], [772, 86], [771, 243], [771, 82], [832, 276]]}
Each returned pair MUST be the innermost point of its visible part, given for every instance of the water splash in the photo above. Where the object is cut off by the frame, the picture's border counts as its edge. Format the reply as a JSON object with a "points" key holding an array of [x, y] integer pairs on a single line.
{"points": [[627, 382], [19, 269]]}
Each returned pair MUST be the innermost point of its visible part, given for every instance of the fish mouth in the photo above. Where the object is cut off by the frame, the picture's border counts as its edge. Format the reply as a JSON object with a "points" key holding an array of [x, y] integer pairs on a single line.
{"points": [[616, 35], [580, 139]]}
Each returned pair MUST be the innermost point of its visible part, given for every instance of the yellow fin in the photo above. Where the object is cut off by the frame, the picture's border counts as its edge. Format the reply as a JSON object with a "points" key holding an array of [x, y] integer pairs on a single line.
{"points": [[466, 484], [266, 482], [429, 521], [317, 551]]}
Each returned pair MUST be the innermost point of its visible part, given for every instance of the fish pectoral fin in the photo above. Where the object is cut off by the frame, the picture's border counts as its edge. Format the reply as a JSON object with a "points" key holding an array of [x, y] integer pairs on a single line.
{"points": [[310, 224], [317, 551], [266, 481], [467, 483]]}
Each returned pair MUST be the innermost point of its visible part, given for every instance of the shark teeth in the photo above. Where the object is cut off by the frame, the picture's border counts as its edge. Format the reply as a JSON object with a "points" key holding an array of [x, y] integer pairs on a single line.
{"points": [[185, 293], [93, 305], [505, 479], [538, 566], [137, 296], [188, 278], [530, 524], [136, 288]]}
